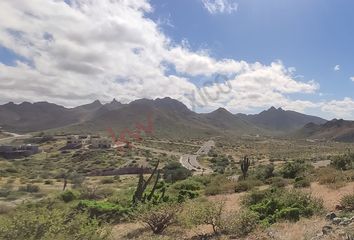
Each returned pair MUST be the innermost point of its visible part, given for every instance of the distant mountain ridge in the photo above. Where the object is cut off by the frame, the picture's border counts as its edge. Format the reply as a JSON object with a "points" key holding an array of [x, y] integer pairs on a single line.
{"points": [[337, 130], [280, 120], [28, 117], [170, 117]]}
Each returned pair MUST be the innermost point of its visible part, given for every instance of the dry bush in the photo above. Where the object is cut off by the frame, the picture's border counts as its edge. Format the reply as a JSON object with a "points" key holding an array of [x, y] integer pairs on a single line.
{"points": [[239, 224], [159, 217], [219, 185], [203, 212], [5, 209], [330, 176], [347, 201]]}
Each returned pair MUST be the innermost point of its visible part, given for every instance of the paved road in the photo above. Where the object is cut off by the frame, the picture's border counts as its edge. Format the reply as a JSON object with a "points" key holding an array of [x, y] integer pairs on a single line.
{"points": [[206, 147], [190, 161]]}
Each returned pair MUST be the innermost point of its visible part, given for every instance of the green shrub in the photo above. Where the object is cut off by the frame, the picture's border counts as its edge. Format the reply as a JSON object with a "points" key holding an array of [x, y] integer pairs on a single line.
{"points": [[14, 195], [278, 182], [220, 163], [30, 188], [48, 182], [42, 222], [243, 186], [347, 202], [68, 196], [184, 195], [343, 162], [219, 185], [11, 170], [246, 185], [294, 169], [264, 172], [203, 179], [174, 171], [187, 185], [290, 213], [107, 181], [104, 210], [301, 182], [254, 197], [187, 189], [280, 204], [4, 192]]}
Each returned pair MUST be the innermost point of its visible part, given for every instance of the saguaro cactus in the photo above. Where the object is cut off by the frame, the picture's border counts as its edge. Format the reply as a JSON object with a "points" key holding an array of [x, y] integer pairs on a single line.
{"points": [[139, 195], [245, 164]]}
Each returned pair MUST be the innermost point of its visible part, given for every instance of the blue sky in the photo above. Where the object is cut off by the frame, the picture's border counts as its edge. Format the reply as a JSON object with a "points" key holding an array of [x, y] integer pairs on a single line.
{"points": [[312, 36], [298, 55]]}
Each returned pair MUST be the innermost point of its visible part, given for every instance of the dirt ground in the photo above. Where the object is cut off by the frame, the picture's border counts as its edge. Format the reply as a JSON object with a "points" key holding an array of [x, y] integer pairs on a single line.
{"points": [[301, 230], [331, 197]]}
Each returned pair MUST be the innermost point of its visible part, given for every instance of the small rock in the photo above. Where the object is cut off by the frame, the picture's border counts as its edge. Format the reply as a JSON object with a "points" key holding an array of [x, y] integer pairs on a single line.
{"points": [[345, 222], [339, 207], [327, 230], [352, 219], [336, 220], [330, 216]]}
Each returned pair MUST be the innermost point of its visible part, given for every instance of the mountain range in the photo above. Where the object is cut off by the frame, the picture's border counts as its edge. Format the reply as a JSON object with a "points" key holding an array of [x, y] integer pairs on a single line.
{"points": [[336, 130], [280, 120], [170, 118]]}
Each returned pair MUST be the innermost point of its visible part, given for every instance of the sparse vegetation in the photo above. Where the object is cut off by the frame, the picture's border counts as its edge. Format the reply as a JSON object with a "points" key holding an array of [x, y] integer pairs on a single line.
{"points": [[159, 217], [347, 202], [172, 198], [343, 162], [204, 212], [41, 222]]}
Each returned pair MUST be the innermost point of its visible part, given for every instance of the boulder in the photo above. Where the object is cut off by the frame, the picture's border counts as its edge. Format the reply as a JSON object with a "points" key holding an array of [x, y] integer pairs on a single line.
{"points": [[331, 216], [327, 230], [336, 220]]}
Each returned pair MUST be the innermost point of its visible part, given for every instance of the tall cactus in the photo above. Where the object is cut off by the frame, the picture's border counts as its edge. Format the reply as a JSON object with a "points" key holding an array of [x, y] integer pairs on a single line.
{"points": [[245, 164], [139, 195]]}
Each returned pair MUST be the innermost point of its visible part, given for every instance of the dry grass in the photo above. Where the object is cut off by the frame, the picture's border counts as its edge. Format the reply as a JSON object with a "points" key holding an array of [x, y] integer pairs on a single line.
{"points": [[331, 197], [232, 201], [301, 230]]}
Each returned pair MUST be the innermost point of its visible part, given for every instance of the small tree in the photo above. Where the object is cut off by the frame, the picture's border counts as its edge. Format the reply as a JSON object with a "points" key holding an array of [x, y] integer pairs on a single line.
{"points": [[205, 212], [159, 217], [245, 164]]}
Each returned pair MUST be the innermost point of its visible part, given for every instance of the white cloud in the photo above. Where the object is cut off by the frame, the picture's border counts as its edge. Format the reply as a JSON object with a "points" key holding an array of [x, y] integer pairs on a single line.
{"points": [[336, 68], [352, 78], [105, 49], [255, 86], [340, 108], [220, 6]]}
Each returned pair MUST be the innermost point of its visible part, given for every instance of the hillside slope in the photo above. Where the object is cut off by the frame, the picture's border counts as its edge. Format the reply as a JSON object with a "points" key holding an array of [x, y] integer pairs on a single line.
{"points": [[336, 130], [280, 120]]}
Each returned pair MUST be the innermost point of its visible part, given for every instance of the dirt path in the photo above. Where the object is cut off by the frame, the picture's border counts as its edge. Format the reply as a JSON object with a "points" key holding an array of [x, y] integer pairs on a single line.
{"points": [[14, 136], [158, 150]]}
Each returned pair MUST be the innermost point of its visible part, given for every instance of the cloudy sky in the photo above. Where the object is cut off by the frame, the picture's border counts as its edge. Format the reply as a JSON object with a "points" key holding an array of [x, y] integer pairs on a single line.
{"points": [[244, 55]]}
